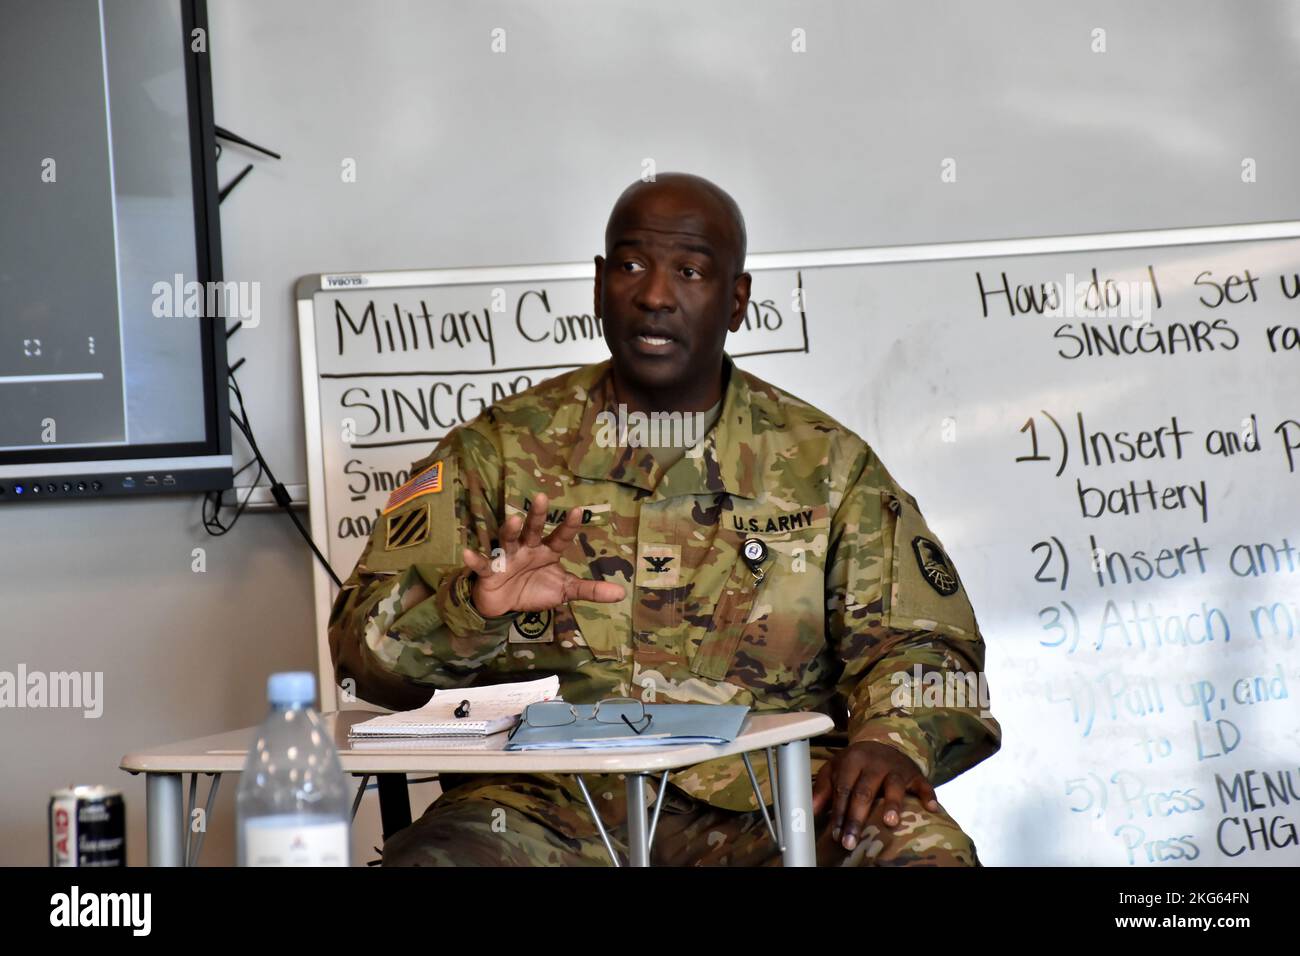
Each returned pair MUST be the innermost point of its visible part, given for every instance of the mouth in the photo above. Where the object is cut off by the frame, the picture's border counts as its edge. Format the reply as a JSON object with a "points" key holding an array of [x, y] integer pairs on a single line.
{"points": [[654, 343]]}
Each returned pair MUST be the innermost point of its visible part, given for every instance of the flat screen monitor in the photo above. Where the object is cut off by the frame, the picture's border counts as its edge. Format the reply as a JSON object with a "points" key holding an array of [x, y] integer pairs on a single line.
{"points": [[112, 358]]}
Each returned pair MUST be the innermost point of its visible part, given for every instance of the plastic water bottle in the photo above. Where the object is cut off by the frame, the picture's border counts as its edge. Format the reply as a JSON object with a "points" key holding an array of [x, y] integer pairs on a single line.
{"points": [[292, 808]]}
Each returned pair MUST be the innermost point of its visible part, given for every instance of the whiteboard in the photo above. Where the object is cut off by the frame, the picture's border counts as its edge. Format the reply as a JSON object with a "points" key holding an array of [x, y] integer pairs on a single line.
{"points": [[1119, 491], [470, 157]]}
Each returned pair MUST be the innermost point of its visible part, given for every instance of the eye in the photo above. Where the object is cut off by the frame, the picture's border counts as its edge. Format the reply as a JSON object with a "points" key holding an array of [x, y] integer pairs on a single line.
{"points": [[691, 269], [630, 266]]}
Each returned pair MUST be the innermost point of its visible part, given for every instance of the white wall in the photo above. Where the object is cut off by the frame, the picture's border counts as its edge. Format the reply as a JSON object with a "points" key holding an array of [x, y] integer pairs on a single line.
{"points": [[109, 587], [465, 157]]}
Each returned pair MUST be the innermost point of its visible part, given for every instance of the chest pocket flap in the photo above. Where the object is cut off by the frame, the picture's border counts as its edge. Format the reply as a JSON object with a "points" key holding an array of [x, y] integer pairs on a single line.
{"points": [[713, 656], [605, 629], [789, 581]]}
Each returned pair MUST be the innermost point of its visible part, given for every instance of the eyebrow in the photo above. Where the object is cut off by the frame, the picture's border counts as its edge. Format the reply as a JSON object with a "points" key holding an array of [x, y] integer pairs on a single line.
{"points": [[699, 247]]}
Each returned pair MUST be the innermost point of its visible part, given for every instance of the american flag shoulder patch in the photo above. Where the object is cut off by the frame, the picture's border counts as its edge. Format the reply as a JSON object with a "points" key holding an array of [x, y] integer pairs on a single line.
{"points": [[427, 482]]}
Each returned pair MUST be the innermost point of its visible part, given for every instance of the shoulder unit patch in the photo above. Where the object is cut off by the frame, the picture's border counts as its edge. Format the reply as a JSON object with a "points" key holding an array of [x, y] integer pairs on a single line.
{"points": [[935, 566], [408, 528], [532, 627]]}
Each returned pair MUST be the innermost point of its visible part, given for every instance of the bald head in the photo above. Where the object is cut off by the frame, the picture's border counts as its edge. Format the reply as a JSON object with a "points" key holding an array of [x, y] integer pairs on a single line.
{"points": [[671, 285], [711, 205]]}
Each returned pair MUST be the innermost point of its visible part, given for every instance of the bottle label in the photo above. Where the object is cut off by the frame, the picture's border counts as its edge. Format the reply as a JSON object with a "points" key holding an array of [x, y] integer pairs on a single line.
{"points": [[290, 841]]}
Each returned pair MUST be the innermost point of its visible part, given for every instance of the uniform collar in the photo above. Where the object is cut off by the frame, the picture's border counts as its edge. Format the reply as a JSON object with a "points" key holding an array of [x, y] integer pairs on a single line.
{"points": [[725, 462]]}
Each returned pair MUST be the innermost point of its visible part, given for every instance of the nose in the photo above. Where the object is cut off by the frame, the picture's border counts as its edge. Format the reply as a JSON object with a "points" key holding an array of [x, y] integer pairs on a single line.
{"points": [[654, 293]]}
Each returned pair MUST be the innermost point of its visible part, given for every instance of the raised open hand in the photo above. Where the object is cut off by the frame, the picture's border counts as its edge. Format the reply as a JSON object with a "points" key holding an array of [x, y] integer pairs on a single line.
{"points": [[527, 576]]}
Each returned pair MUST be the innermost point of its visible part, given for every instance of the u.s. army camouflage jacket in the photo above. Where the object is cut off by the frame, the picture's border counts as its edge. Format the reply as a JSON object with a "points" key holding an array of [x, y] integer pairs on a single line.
{"points": [[854, 596]]}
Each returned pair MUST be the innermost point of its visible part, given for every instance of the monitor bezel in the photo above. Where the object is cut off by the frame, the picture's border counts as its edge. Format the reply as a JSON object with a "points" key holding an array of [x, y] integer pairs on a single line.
{"points": [[210, 457]]}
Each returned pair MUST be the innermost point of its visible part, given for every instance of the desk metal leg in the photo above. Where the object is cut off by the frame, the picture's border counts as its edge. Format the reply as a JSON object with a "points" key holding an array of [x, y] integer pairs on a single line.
{"points": [[638, 842], [164, 807], [394, 803], [794, 781], [192, 852]]}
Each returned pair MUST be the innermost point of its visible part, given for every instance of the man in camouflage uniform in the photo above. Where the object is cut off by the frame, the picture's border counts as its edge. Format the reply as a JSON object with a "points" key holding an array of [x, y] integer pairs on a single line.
{"points": [[542, 538]]}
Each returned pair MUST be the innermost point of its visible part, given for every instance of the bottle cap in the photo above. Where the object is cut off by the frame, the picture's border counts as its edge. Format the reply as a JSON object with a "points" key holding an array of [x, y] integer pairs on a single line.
{"points": [[291, 687]]}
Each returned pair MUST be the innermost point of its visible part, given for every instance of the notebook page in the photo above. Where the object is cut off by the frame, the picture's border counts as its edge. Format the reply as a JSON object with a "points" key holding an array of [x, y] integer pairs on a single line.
{"points": [[490, 709]]}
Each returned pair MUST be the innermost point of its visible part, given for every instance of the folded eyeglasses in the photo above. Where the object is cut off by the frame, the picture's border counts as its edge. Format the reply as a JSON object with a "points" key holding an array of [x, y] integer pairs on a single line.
{"points": [[611, 710]]}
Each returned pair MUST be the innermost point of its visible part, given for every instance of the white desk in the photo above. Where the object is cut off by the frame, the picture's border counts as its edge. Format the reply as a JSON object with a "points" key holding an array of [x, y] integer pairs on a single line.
{"points": [[223, 753]]}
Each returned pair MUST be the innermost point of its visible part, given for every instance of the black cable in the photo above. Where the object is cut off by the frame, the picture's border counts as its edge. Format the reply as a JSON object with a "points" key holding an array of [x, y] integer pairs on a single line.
{"points": [[223, 133], [278, 491], [212, 499], [212, 522]]}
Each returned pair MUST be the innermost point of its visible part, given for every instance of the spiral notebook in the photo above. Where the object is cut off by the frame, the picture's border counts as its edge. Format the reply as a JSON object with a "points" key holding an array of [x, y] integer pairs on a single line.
{"points": [[490, 710]]}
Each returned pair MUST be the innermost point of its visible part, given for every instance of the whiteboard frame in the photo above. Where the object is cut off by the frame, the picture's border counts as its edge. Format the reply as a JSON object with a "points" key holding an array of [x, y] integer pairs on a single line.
{"points": [[308, 286]]}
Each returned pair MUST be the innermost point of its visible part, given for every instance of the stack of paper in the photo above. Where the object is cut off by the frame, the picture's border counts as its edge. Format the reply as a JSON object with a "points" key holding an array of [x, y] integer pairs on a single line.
{"points": [[491, 710]]}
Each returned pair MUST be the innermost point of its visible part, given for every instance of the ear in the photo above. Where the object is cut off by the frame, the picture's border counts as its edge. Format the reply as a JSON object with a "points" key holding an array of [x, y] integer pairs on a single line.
{"points": [[600, 272], [740, 303]]}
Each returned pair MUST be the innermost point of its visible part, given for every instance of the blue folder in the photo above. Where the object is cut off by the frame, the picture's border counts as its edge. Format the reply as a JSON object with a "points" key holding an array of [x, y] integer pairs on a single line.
{"points": [[670, 724]]}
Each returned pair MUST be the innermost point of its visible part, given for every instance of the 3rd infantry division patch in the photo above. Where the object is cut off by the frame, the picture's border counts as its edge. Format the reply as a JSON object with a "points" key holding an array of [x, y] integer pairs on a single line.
{"points": [[408, 529]]}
